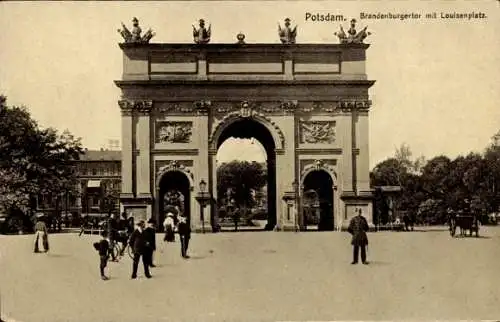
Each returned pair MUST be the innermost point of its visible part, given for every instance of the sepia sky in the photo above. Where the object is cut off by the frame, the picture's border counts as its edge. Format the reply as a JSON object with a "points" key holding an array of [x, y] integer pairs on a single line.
{"points": [[437, 81]]}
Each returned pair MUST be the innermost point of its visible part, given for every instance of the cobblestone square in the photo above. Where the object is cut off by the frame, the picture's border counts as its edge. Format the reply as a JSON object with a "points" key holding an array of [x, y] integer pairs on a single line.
{"points": [[259, 276]]}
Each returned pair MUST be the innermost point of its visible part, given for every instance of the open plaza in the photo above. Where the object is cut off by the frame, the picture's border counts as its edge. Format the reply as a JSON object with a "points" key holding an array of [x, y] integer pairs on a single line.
{"points": [[258, 276]]}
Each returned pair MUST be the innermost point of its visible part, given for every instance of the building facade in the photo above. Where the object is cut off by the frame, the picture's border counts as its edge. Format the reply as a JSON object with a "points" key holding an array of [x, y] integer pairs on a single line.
{"points": [[307, 104], [97, 191]]}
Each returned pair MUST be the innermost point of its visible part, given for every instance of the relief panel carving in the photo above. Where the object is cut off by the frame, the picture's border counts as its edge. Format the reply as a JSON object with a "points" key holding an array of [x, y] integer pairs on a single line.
{"points": [[174, 132], [317, 132]]}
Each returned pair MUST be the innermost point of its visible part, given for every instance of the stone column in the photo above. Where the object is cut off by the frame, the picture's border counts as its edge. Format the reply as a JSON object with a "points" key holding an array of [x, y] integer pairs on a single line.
{"points": [[286, 173], [201, 164], [363, 165], [347, 186], [212, 154], [143, 157], [127, 145], [143, 161]]}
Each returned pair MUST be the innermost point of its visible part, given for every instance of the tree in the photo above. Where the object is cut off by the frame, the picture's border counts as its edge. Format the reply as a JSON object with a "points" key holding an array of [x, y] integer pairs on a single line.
{"points": [[388, 173], [492, 175], [33, 160], [403, 155], [242, 178]]}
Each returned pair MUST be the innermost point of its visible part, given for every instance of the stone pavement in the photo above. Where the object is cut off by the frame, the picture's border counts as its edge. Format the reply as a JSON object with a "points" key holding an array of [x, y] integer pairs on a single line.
{"points": [[260, 276]]}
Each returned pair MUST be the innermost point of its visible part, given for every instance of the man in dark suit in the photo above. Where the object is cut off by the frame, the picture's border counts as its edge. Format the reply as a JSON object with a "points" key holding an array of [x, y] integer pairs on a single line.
{"points": [[358, 228], [138, 244], [150, 239], [185, 234]]}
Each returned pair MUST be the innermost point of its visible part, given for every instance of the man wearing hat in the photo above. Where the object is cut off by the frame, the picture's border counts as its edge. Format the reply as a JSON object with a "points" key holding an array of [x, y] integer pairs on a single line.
{"points": [[150, 239], [185, 235], [358, 228], [138, 244]]}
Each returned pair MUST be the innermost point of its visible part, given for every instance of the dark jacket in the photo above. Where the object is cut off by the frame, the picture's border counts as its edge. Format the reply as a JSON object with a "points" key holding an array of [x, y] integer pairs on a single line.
{"points": [[137, 241], [102, 247], [150, 238], [183, 228], [358, 228]]}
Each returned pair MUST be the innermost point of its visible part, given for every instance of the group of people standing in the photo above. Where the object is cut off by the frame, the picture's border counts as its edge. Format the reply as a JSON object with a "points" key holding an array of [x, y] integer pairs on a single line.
{"points": [[173, 223], [142, 240]]}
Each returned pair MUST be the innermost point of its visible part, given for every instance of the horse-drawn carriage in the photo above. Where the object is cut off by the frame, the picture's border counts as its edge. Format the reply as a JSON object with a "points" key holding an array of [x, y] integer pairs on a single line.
{"points": [[466, 223]]}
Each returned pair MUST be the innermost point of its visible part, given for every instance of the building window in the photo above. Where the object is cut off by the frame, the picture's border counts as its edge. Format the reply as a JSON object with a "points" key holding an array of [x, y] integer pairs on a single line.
{"points": [[94, 171]]}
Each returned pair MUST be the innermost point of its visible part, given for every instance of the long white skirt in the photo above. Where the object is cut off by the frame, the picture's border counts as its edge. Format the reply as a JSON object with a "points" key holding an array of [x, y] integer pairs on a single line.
{"points": [[41, 241]]}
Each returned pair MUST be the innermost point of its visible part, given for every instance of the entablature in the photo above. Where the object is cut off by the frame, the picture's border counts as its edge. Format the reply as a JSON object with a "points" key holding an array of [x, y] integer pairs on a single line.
{"points": [[220, 62], [223, 108]]}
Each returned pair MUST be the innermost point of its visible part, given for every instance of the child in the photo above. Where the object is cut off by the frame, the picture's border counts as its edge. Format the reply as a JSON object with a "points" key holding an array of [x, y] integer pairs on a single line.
{"points": [[103, 248]]}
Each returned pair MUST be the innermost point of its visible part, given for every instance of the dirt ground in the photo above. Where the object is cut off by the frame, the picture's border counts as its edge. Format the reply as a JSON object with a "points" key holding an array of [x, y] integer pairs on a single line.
{"points": [[259, 276]]}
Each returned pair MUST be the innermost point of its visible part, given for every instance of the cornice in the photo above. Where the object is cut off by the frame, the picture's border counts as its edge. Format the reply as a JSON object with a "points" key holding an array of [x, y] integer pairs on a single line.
{"points": [[164, 82], [174, 152], [319, 151], [257, 47]]}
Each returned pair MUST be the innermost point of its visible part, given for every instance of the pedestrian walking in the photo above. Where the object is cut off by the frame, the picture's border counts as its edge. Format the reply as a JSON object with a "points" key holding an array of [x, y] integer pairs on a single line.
{"points": [[358, 228], [185, 235], [169, 226], [138, 244], [150, 239], [102, 247], [41, 234]]}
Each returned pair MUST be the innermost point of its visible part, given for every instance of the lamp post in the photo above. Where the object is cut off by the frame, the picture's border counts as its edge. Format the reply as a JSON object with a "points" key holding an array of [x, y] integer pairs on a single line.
{"points": [[203, 198]]}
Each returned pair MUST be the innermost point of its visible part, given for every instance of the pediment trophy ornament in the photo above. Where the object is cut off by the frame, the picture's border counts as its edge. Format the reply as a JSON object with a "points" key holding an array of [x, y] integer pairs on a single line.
{"points": [[287, 34], [134, 36], [202, 35], [318, 132], [352, 36], [175, 132]]}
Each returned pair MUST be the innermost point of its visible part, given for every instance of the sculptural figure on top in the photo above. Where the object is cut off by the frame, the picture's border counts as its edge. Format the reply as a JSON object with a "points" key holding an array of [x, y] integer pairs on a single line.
{"points": [[287, 35], [202, 34], [352, 36], [136, 30], [135, 35]]}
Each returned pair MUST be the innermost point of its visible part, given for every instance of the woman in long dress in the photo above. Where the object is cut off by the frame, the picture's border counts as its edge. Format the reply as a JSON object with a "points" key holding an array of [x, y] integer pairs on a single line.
{"points": [[41, 235], [169, 226]]}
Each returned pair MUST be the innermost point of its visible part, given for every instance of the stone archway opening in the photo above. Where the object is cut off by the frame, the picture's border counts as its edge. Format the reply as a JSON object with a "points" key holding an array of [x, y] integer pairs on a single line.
{"points": [[318, 213], [263, 216], [174, 192]]}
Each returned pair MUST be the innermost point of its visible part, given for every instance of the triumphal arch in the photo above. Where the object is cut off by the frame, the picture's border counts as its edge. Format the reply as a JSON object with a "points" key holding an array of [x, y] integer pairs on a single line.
{"points": [[307, 104]]}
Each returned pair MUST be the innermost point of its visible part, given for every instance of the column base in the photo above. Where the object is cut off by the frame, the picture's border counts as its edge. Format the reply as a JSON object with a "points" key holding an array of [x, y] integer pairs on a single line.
{"points": [[199, 228], [290, 228], [140, 207]]}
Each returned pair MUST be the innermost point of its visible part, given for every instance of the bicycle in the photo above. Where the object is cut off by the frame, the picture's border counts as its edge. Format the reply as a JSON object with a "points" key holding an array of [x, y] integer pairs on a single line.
{"points": [[118, 250], [114, 250]]}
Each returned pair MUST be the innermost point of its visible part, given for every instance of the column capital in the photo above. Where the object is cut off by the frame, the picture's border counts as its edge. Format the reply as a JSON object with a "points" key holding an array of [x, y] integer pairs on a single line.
{"points": [[133, 107]]}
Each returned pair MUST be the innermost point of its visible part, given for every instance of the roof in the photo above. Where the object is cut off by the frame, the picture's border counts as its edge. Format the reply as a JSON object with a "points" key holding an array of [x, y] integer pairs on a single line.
{"points": [[101, 155]]}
